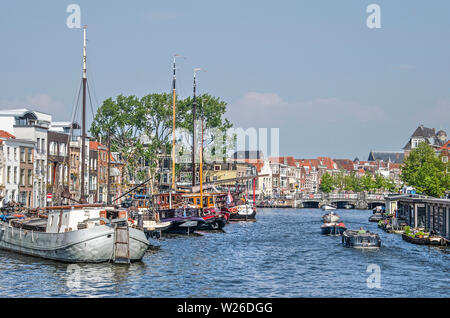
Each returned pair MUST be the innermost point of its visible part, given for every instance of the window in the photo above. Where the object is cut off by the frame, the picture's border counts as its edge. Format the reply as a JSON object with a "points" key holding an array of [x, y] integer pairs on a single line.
{"points": [[22, 154], [30, 177], [38, 145], [8, 175], [30, 155], [43, 145], [22, 176], [15, 154], [444, 159], [15, 175], [415, 142]]}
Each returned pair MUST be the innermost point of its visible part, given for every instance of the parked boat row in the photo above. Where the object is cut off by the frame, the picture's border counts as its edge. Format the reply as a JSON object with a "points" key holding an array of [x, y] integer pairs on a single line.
{"points": [[391, 224], [350, 238]]}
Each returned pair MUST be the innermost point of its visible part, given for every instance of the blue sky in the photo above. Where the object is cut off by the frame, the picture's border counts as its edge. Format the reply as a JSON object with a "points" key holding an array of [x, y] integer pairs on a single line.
{"points": [[312, 68]]}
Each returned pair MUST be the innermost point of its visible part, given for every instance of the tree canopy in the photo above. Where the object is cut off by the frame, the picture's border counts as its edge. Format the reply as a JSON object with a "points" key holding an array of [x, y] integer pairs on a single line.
{"points": [[424, 171], [141, 128]]}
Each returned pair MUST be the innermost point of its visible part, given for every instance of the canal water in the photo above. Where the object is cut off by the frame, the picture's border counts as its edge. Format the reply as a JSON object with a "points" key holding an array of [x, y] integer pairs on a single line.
{"points": [[283, 254]]}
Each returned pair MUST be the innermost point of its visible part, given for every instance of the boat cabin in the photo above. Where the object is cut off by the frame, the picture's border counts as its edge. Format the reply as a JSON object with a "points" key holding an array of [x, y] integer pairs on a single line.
{"points": [[75, 218]]}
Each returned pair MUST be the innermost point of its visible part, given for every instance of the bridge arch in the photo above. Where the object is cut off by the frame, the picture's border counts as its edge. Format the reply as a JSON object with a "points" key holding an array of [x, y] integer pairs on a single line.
{"points": [[372, 205], [341, 204], [311, 204]]}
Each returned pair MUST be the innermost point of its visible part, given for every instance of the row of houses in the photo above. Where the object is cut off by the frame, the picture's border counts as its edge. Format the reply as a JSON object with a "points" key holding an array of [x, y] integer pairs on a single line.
{"points": [[40, 158], [285, 176]]}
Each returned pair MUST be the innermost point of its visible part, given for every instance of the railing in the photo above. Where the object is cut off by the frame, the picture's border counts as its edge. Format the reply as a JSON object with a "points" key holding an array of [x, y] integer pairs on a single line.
{"points": [[352, 196], [341, 196], [375, 196]]}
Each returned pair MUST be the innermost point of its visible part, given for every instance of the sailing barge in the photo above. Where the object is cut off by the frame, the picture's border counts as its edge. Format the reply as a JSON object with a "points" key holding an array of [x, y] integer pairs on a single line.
{"points": [[77, 233]]}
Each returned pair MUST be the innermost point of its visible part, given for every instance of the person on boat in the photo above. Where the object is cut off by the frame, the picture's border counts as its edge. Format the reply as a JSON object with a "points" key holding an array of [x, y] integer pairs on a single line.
{"points": [[341, 224], [361, 230]]}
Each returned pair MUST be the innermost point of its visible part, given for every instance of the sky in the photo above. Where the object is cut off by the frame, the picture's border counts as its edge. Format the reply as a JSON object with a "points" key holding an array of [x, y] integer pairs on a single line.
{"points": [[311, 68]]}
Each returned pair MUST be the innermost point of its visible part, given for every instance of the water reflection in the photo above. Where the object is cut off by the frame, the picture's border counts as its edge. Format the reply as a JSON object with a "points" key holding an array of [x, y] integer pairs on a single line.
{"points": [[283, 254]]}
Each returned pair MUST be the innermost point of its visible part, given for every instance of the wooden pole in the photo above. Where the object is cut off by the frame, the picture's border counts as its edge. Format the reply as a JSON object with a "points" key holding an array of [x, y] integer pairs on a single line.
{"points": [[83, 135], [174, 98], [201, 171]]}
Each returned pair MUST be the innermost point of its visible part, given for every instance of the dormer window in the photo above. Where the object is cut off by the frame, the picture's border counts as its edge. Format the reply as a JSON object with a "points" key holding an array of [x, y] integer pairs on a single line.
{"points": [[415, 142], [28, 119]]}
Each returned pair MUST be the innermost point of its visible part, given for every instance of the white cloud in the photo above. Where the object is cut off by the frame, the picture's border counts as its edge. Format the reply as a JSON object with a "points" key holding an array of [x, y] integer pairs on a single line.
{"points": [[270, 108], [41, 102]]}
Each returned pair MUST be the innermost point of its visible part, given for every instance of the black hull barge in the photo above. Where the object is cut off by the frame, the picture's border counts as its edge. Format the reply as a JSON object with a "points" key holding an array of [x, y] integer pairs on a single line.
{"points": [[357, 239]]}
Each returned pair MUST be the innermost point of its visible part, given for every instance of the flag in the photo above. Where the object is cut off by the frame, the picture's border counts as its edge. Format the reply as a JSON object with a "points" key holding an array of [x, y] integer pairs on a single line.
{"points": [[229, 197]]}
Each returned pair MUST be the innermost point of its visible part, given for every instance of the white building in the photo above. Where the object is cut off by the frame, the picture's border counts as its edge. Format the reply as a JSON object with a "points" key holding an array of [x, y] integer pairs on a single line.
{"points": [[265, 183], [31, 125]]}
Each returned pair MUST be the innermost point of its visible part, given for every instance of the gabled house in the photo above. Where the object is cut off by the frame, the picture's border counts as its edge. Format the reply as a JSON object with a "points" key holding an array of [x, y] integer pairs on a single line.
{"points": [[428, 135]]}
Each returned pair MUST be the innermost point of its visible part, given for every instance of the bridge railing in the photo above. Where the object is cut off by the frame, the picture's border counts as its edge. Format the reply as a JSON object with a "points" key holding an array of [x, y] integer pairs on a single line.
{"points": [[375, 197], [312, 196], [343, 196]]}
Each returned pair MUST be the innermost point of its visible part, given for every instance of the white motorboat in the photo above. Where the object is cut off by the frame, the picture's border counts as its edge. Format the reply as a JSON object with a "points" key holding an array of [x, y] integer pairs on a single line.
{"points": [[327, 207], [331, 218], [79, 233]]}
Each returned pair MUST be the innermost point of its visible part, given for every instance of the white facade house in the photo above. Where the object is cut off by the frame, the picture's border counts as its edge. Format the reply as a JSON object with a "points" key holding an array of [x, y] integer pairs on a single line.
{"points": [[31, 125], [265, 183], [10, 170]]}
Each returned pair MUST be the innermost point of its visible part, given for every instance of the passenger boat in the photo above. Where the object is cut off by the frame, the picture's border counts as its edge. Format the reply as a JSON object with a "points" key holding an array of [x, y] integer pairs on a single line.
{"points": [[77, 233], [327, 207], [376, 217], [333, 228], [358, 239], [331, 218]]}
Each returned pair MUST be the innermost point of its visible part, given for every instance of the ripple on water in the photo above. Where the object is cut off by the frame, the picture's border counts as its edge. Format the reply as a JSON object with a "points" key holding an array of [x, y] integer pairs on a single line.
{"points": [[283, 254]]}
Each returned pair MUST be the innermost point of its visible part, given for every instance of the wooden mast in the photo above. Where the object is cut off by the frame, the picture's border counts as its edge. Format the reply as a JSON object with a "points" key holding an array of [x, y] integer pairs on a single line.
{"points": [[83, 135], [194, 106], [174, 90]]}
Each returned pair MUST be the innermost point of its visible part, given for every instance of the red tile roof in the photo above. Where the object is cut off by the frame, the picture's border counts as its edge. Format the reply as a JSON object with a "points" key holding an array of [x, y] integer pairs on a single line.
{"points": [[5, 134], [445, 146], [290, 161]]}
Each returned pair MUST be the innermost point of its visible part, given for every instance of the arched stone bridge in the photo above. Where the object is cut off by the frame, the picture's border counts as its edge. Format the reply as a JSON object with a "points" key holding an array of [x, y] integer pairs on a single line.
{"points": [[360, 200]]}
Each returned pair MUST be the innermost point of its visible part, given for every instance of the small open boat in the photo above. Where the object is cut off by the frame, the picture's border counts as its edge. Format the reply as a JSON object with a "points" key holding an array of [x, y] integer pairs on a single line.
{"points": [[327, 207], [331, 217], [358, 239], [437, 240], [425, 240], [244, 212], [376, 217], [333, 228]]}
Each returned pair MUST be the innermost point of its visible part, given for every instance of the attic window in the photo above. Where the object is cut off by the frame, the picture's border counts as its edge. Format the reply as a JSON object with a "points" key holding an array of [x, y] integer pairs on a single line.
{"points": [[415, 142]]}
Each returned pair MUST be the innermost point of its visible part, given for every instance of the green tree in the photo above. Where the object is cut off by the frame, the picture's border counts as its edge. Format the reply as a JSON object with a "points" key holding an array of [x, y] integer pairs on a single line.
{"points": [[355, 183], [326, 183], [380, 182], [367, 182], [141, 129], [424, 171]]}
